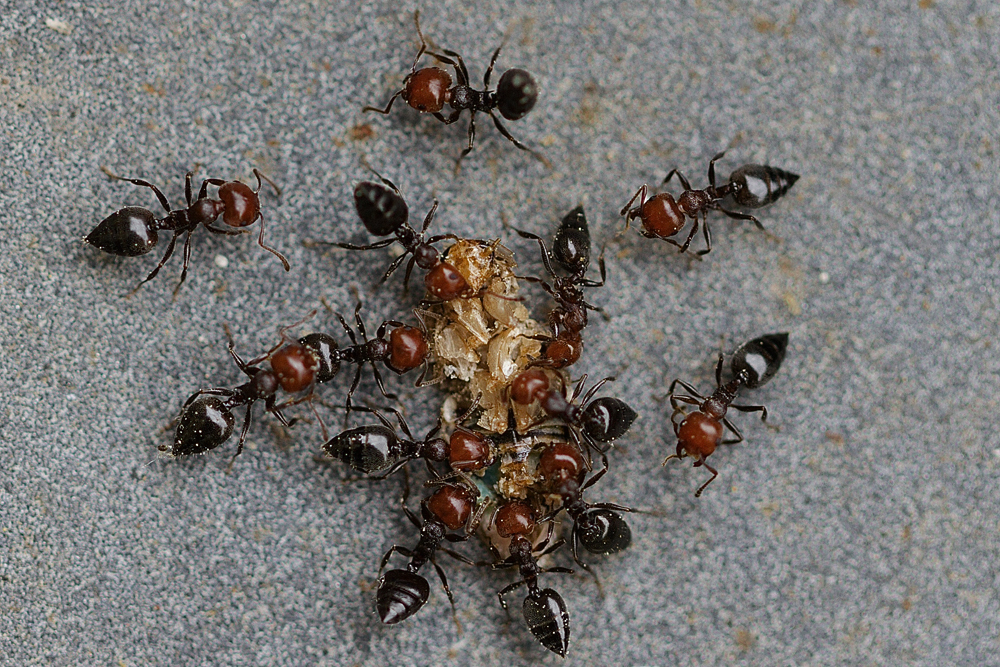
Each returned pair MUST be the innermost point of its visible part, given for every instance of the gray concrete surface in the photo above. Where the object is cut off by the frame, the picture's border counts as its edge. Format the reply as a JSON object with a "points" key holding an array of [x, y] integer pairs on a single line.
{"points": [[861, 530]]}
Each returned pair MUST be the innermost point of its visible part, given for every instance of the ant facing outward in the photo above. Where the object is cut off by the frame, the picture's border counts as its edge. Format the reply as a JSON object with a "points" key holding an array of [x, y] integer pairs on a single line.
{"points": [[571, 252], [401, 593], [429, 89], [207, 420], [753, 364], [543, 609], [750, 186], [132, 231]]}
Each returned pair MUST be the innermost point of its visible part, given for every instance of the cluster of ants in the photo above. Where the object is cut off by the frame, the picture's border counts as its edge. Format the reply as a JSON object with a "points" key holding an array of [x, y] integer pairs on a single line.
{"points": [[470, 466]]}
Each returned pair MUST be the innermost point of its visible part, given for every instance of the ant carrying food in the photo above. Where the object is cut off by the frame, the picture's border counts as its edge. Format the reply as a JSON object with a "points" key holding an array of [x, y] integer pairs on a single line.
{"points": [[132, 231], [429, 89], [571, 252], [750, 186], [402, 592], [543, 609], [207, 420], [753, 364]]}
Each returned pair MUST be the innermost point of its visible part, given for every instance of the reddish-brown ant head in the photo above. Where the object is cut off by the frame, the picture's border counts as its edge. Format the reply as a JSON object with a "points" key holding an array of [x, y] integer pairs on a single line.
{"points": [[295, 366], [428, 89], [407, 349], [529, 385], [445, 282], [699, 434], [560, 462], [514, 518], [242, 204], [469, 451], [452, 505], [563, 352], [661, 216]]}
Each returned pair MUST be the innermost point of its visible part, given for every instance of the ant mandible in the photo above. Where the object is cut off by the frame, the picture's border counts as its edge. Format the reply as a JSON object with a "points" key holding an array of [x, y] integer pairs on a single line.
{"points": [[429, 89], [571, 252], [132, 231], [750, 186], [699, 433]]}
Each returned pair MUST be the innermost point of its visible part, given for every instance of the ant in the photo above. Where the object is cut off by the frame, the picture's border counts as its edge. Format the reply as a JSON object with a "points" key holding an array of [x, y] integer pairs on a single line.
{"points": [[405, 349], [750, 186], [593, 422], [753, 364], [543, 609], [132, 231], [429, 89], [571, 252], [402, 592], [207, 420], [597, 526]]}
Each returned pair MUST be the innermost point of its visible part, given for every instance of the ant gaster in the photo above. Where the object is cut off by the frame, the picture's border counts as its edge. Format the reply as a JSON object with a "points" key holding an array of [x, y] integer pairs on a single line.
{"points": [[401, 593], [699, 433], [571, 252], [543, 609], [207, 420], [750, 186], [429, 89], [132, 231]]}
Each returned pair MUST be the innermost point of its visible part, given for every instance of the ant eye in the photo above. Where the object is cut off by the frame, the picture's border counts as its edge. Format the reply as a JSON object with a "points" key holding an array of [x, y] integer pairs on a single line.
{"points": [[517, 93]]}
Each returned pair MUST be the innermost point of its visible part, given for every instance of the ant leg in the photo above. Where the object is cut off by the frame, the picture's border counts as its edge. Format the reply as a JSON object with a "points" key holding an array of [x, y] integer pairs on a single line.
{"points": [[718, 371], [246, 429], [203, 191], [596, 476], [146, 184], [472, 140], [423, 42], [388, 554], [360, 322], [381, 386], [460, 69], [215, 391], [593, 390], [454, 554], [679, 454], [715, 473], [514, 586], [350, 332], [708, 237], [687, 241], [752, 408], [493, 61], [393, 266], [711, 168], [260, 242], [429, 218], [680, 177], [641, 196], [503, 130], [184, 264], [685, 385], [541, 244], [743, 216], [354, 385], [350, 246], [452, 117], [736, 432], [187, 187], [261, 176], [163, 260]]}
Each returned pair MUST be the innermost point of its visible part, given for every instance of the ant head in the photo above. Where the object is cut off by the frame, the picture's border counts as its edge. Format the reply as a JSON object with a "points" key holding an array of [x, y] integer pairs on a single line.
{"points": [[205, 424], [400, 594], [606, 418], [759, 359], [242, 205], [517, 93], [469, 450], [661, 216], [571, 247], [560, 462], [295, 366], [529, 385], [514, 518], [444, 282], [407, 349], [324, 348], [427, 89], [699, 434], [546, 616], [128, 232], [450, 505], [602, 531], [381, 209]]}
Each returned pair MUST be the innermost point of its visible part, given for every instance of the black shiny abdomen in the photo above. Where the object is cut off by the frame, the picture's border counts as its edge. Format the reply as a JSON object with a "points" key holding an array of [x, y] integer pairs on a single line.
{"points": [[545, 613], [571, 246], [205, 424], [128, 232], [605, 419], [757, 361], [602, 531], [400, 594], [381, 209], [756, 185], [516, 94], [367, 449]]}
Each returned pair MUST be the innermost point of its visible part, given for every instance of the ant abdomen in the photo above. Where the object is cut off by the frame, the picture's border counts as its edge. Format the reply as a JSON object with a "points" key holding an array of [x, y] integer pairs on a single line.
{"points": [[400, 594], [757, 361], [602, 531], [757, 185], [367, 449], [516, 94], [607, 418], [205, 424], [128, 232], [571, 246], [324, 348], [546, 617], [380, 208]]}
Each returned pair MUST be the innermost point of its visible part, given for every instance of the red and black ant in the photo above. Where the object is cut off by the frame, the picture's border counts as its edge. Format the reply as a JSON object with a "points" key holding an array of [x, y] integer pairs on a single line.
{"points": [[132, 231], [750, 186], [401, 593], [429, 89], [700, 432], [571, 252], [207, 420]]}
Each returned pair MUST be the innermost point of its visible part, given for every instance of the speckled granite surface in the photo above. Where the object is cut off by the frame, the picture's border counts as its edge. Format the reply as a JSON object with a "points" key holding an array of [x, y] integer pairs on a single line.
{"points": [[860, 530]]}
